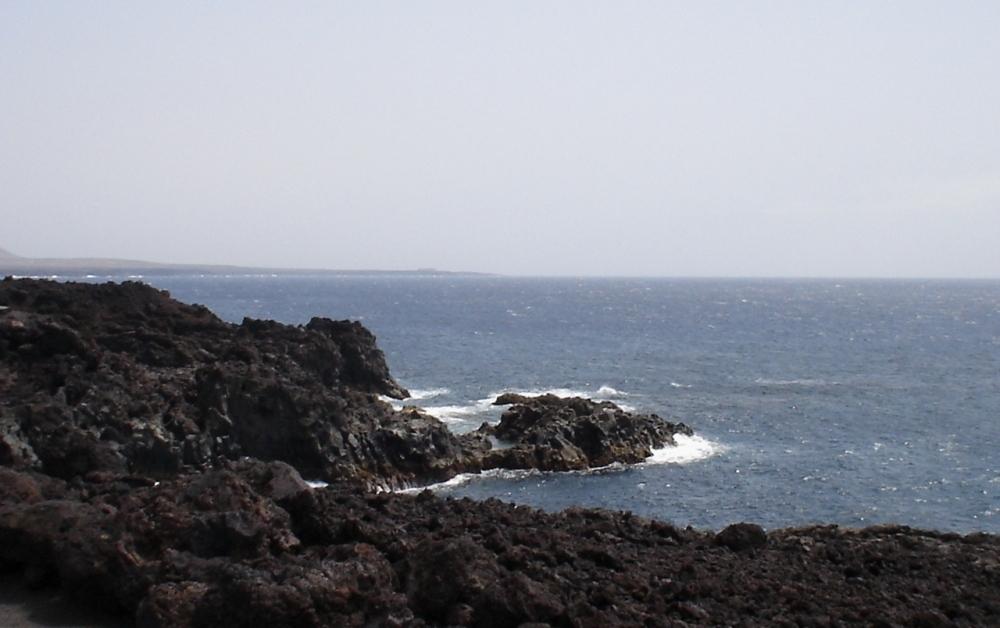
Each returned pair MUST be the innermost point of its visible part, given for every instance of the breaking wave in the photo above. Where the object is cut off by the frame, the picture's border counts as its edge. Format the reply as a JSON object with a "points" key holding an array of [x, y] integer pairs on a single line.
{"points": [[417, 394], [465, 478], [460, 413], [480, 409], [687, 450], [392, 402]]}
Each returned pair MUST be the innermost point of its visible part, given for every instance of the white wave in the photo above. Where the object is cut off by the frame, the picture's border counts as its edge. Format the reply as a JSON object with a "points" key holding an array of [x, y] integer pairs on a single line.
{"points": [[454, 414], [426, 393], [316, 483], [458, 480], [392, 402], [465, 478], [688, 449], [676, 385], [608, 391], [484, 408], [558, 392], [604, 393]]}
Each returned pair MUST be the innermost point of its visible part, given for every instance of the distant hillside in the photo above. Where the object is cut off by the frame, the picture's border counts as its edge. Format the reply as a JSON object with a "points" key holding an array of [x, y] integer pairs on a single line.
{"points": [[11, 264]]}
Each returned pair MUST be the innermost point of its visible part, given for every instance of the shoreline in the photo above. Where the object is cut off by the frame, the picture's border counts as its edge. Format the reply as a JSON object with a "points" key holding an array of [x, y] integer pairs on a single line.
{"points": [[152, 460]]}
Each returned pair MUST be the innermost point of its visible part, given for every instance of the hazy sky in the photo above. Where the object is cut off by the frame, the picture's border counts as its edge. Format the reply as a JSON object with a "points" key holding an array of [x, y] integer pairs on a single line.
{"points": [[582, 138]]}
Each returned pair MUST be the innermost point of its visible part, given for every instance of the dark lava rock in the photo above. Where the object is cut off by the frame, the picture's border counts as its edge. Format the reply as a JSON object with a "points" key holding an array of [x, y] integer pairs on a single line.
{"points": [[249, 544], [566, 433], [151, 461], [121, 379], [742, 536], [124, 379]]}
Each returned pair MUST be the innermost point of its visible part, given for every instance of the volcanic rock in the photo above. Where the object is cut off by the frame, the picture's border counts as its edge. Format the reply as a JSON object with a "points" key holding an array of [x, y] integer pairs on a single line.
{"points": [[248, 544], [124, 379], [742, 536], [568, 433], [151, 461]]}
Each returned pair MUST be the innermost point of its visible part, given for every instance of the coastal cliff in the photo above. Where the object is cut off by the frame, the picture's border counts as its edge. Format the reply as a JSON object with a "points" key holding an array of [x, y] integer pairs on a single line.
{"points": [[152, 460]]}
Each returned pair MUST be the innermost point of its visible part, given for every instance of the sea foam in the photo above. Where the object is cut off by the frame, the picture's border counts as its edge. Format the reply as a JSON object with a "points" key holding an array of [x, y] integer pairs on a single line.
{"points": [[687, 450], [465, 478], [417, 394], [484, 409]]}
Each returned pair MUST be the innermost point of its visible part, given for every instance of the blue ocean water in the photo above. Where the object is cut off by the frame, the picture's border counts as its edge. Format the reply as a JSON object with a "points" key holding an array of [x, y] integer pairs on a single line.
{"points": [[850, 402]]}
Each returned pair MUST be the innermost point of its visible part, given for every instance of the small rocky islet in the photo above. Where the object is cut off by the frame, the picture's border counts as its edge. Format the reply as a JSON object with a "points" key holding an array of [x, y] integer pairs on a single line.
{"points": [[152, 460]]}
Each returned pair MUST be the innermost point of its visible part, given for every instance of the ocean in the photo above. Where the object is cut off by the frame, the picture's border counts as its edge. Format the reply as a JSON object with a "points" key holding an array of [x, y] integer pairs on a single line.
{"points": [[852, 402]]}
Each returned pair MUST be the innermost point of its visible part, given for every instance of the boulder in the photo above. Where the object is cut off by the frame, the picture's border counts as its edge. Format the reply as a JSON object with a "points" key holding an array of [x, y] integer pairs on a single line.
{"points": [[742, 536]]}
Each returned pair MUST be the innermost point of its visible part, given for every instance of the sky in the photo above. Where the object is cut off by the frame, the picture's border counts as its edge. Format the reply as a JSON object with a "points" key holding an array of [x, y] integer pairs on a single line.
{"points": [[802, 139]]}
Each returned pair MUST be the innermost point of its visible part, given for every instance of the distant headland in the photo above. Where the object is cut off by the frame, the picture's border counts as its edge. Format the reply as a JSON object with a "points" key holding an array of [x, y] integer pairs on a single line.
{"points": [[12, 264]]}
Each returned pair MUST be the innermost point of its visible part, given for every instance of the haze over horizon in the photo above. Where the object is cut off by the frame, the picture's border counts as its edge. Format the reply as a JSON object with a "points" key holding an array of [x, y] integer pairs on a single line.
{"points": [[584, 138]]}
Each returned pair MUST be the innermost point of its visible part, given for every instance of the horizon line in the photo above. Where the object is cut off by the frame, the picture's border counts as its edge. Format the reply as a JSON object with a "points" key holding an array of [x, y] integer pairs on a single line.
{"points": [[122, 264]]}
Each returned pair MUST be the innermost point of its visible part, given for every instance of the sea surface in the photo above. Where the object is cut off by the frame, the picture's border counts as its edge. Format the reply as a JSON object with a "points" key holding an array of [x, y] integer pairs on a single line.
{"points": [[852, 402]]}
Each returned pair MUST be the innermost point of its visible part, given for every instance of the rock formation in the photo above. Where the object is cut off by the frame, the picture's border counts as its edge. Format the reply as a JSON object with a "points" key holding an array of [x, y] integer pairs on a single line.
{"points": [[152, 461], [124, 379], [562, 434], [249, 543]]}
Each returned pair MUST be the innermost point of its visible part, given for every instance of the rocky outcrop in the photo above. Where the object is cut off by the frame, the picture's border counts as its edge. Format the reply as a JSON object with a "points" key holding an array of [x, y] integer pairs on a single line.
{"points": [[124, 379], [248, 543], [152, 461], [571, 433]]}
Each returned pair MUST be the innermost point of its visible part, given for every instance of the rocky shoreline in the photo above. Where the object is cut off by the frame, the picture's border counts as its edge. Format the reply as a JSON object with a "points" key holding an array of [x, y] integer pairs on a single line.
{"points": [[152, 460]]}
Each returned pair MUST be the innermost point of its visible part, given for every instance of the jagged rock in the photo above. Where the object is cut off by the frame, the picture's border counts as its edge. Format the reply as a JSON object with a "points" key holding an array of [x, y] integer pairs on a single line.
{"points": [[246, 544], [560, 434], [28, 488], [123, 379], [146, 409]]}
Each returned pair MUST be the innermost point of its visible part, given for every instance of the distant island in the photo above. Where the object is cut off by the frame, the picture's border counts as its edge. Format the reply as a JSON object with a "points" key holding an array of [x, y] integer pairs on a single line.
{"points": [[12, 264]]}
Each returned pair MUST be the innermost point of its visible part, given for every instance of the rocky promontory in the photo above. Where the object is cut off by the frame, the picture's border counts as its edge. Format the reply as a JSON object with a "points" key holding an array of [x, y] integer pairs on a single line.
{"points": [[152, 460], [123, 379]]}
